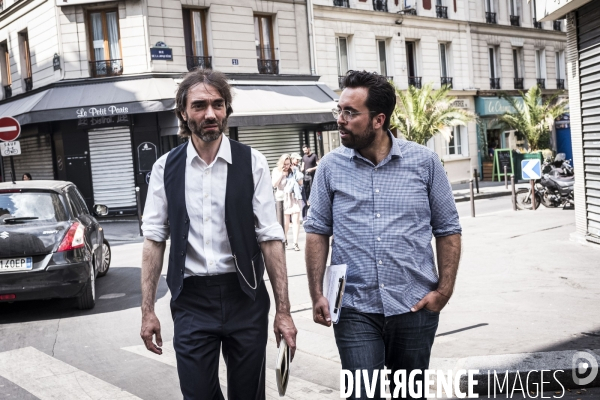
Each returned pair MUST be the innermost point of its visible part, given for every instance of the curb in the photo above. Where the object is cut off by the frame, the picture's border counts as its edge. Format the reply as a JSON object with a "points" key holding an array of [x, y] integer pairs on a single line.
{"points": [[553, 370], [460, 198]]}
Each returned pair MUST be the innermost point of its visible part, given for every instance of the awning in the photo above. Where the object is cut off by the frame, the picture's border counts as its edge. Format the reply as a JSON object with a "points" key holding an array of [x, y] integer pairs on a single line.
{"points": [[253, 104], [63, 102], [279, 104]]}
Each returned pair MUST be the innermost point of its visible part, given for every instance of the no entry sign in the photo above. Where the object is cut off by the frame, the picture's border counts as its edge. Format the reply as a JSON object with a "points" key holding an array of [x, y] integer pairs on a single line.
{"points": [[10, 129]]}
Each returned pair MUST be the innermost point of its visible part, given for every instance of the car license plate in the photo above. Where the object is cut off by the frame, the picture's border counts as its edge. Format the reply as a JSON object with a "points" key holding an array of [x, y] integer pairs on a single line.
{"points": [[16, 264]]}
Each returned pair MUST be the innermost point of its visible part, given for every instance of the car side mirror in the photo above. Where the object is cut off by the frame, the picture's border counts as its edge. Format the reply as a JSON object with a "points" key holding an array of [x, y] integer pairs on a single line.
{"points": [[100, 210]]}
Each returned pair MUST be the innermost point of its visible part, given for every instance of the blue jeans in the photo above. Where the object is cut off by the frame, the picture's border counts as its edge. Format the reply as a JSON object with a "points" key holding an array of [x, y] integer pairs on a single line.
{"points": [[400, 342]]}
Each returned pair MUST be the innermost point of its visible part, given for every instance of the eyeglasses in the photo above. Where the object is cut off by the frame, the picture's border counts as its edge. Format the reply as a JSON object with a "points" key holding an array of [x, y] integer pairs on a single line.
{"points": [[347, 115]]}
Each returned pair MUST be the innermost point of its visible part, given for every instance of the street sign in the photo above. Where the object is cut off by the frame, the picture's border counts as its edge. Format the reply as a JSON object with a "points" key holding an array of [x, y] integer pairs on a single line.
{"points": [[10, 129], [8, 149], [531, 169]]}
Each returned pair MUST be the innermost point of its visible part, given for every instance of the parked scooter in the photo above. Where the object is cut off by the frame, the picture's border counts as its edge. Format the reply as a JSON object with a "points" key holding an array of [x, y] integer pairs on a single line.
{"points": [[554, 189]]}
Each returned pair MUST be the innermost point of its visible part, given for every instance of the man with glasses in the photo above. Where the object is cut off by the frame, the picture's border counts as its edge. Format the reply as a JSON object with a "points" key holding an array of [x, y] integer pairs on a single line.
{"points": [[382, 199]]}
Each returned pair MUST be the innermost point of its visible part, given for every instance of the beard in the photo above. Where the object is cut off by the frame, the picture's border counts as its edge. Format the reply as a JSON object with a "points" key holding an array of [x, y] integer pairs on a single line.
{"points": [[358, 141], [205, 135]]}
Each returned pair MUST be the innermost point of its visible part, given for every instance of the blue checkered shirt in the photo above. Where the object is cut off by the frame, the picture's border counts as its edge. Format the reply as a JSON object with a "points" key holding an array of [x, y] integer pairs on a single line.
{"points": [[382, 218]]}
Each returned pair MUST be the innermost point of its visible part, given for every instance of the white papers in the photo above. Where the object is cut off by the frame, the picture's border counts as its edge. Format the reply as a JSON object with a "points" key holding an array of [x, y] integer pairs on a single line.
{"points": [[334, 283], [282, 368]]}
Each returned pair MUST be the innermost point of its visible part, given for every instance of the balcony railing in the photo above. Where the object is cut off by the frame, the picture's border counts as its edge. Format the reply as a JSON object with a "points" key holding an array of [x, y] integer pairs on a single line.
{"points": [[446, 81], [560, 84], [390, 78], [557, 26], [490, 17], [414, 81], [341, 81], [28, 84], [199, 62], [494, 83], [7, 91], [268, 66], [541, 83], [537, 25], [341, 3], [441, 12], [410, 11], [515, 20], [519, 83], [380, 5], [106, 67]]}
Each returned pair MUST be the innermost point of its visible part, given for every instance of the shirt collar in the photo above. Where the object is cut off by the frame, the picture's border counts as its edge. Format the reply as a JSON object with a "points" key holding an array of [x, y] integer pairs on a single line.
{"points": [[223, 153], [395, 151]]}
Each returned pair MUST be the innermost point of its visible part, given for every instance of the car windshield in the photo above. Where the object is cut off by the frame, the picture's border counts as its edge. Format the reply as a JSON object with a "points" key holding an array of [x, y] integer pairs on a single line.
{"points": [[31, 207]]}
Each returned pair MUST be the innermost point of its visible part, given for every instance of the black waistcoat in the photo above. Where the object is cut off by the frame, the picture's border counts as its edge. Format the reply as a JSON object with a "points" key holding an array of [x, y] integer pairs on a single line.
{"points": [[239, 218]]}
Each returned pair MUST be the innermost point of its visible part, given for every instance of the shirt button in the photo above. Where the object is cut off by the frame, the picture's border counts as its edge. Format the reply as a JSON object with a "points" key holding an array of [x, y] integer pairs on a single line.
{"points": [[183, 253], [207, 218], [379, 239], [207, 172], [378, 215], [208, 241], [382, 285], [380, 262], [206, 195]]}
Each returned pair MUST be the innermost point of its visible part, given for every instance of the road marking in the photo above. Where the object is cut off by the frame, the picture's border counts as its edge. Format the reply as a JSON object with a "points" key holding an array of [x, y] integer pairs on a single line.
{"points": [[50, 379], [298, 389], [8, 128]]}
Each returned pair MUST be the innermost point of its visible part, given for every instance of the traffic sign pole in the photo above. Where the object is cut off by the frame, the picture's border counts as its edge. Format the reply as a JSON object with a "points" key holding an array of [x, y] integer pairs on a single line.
{"points": [[533, 194], [12, 169]]}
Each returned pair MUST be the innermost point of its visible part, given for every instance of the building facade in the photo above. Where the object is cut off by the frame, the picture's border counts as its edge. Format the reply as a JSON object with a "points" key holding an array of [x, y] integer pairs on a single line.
{"points": [[93, 84], [479, 47], [583, 57]]}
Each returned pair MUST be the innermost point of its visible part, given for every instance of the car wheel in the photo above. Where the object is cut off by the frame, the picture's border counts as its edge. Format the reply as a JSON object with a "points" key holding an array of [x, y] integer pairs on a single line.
{"points": [[106, 256], [87, 299]]}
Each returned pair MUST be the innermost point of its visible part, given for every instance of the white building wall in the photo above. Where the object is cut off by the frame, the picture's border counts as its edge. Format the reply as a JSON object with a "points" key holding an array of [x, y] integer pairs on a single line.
{"points": [[230, 33], [39, 19]]}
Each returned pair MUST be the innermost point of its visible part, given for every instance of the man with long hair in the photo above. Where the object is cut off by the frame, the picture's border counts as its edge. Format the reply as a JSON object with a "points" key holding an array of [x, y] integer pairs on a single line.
{"points": [[213, 197]]}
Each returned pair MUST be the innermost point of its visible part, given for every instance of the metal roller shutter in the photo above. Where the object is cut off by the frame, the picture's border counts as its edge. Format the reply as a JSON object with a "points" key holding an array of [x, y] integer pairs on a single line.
{"points": [[588, 38], [35, 158], [273, 141], [112, 167]]}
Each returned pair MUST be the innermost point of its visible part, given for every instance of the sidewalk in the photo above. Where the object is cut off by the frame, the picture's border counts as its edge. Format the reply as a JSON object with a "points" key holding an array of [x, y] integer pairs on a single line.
{"points": [[487, 190]]}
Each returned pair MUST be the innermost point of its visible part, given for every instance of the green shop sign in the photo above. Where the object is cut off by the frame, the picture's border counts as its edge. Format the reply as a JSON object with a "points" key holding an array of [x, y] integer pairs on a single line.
{"points": [[485, 106]]}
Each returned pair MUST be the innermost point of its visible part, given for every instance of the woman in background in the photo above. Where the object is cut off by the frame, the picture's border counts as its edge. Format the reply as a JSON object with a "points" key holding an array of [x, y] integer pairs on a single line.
{"points": [[287, 181]]}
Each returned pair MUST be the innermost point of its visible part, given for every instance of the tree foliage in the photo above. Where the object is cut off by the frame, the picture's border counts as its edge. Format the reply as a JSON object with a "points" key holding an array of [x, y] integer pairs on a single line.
{"points": [[422, 113], [534, 117]]}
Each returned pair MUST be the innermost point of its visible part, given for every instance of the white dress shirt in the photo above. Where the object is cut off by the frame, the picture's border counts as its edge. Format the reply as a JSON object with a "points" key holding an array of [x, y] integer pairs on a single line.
{"points": [[208, 250]]}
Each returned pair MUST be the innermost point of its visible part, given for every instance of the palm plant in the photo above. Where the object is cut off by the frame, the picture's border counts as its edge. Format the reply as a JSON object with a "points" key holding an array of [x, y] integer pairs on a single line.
{"points": [[422, 113], [534, 117]]}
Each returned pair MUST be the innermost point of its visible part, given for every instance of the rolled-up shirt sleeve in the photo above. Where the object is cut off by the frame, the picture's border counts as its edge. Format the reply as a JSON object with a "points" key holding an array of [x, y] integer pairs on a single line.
{"points": [[155, 224], [444, 216], [320, 214], [265, 217]]}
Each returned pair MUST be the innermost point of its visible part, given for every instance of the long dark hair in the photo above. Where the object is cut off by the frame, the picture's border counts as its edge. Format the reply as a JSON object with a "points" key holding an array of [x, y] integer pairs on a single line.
{"points": [[209, 77]]}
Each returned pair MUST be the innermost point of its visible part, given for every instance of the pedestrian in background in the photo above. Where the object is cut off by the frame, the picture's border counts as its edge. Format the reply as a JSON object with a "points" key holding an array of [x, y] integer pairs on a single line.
{"points": [[309, 167], [27, 176], [213, 198], [287, 183], [389, 196]]}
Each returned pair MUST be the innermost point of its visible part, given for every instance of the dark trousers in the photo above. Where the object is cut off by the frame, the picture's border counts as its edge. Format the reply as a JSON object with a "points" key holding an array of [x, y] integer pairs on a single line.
{"points": [[306, 186], [400, 342], [212, 312]]}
